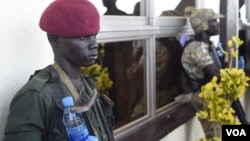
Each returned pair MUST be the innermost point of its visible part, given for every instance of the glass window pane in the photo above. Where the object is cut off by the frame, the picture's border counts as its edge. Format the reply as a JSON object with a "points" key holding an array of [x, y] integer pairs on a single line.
{"points": [[169, 78], [126, 67], [162, 5], [115, 7]]}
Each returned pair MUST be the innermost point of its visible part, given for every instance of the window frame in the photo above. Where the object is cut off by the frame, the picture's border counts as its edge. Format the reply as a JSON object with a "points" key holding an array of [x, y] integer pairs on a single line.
{"points": [[125, 28]]}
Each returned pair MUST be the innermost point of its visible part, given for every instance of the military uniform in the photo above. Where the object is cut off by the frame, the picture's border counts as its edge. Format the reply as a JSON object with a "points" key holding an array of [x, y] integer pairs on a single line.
{"points": [[34, 105], [195, 57]]}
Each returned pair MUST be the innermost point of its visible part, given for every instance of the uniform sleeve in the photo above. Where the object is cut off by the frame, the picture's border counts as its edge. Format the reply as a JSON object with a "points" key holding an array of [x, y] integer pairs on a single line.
{"points": [[28, 117], [196, 54], [194, 58], [202, 56]]}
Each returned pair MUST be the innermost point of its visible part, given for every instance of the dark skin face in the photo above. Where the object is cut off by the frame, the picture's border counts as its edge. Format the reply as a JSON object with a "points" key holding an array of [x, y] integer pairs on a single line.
{"points": [[214, 27], [73, 53], [79, 51]]}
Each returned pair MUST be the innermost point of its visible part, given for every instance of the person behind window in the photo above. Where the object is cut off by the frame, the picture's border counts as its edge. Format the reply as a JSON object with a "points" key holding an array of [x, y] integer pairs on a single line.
{"points": [[187, 13], [137, 8], [35, 111], [170, 13], [117, 58], [112, 8], [168, 70], [170, 76]]}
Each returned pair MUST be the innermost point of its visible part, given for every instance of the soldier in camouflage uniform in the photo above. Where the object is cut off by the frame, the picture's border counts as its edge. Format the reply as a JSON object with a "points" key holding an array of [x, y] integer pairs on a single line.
{"points": [[198, 61]]}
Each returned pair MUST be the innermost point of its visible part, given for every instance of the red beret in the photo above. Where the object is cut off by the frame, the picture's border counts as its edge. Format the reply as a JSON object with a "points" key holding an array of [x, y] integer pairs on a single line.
{"points": [[70, 19]]}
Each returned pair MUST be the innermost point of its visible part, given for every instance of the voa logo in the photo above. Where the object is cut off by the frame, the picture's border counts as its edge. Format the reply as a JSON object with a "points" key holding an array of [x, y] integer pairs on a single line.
{"points": [[236, 132]]}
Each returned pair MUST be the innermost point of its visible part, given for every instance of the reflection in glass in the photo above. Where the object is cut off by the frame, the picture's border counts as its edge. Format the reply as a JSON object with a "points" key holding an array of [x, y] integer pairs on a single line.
{"points": [[112, 8], [126, 67], [169, 78], [116, 7], [162, 5], [137, 9]]}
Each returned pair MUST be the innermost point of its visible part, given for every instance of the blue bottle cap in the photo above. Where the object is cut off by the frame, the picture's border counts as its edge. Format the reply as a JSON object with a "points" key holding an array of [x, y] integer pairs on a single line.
{"points": [[219, 44], [68, 101]]}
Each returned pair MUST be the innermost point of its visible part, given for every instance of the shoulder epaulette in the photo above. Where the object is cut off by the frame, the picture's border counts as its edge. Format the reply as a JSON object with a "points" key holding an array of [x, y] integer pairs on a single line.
{"points": [[43, 76]]}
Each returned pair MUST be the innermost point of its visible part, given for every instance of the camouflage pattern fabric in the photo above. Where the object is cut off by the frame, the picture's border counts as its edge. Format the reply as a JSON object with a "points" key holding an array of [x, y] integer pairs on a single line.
{"points": [[194, 58], [199, 19], [162, 59]]}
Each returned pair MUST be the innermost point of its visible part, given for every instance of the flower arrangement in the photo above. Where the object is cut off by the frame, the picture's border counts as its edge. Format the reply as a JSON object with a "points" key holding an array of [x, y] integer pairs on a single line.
{"points": [[100, 74], [219, 95], [101, 77]]}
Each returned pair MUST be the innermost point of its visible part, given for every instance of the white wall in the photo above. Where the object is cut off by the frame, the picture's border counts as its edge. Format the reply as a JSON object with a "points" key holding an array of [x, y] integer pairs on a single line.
{"points": [[190, 131], [24, 48]]}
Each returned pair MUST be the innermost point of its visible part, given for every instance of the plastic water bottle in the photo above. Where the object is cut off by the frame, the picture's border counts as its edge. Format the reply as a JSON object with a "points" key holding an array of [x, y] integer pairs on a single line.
{"points": [[219, 50], [74, 122], [241, 63]]}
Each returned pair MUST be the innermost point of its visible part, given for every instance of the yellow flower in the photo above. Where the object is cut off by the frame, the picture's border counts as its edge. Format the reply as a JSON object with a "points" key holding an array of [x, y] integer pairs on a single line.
{"points": [[101, 77], [235, 53], [202, 114], [102, 50], [237, 40], [230, 43], [218, 96]]}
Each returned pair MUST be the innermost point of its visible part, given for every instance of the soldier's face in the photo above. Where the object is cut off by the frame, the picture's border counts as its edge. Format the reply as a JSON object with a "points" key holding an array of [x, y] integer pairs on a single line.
{"points": [[214, 27], [81, 51]]}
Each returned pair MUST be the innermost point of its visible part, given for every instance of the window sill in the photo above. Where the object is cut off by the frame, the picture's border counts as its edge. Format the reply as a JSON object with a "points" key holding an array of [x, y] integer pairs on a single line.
{"points": [[162, 125]]}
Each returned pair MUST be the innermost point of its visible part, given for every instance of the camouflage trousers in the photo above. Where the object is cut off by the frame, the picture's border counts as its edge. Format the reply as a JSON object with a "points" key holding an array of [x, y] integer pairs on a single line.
{"points": [[210, 129]]}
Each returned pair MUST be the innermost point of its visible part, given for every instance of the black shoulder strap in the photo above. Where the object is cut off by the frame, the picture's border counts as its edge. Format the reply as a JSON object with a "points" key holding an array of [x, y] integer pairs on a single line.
{"points": [[214, 55], [105, 111]]}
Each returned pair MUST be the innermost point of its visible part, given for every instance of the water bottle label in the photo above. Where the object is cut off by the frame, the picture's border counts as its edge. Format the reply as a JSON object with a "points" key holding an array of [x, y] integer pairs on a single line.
{"points": [[78, 137], [79, 133]]}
